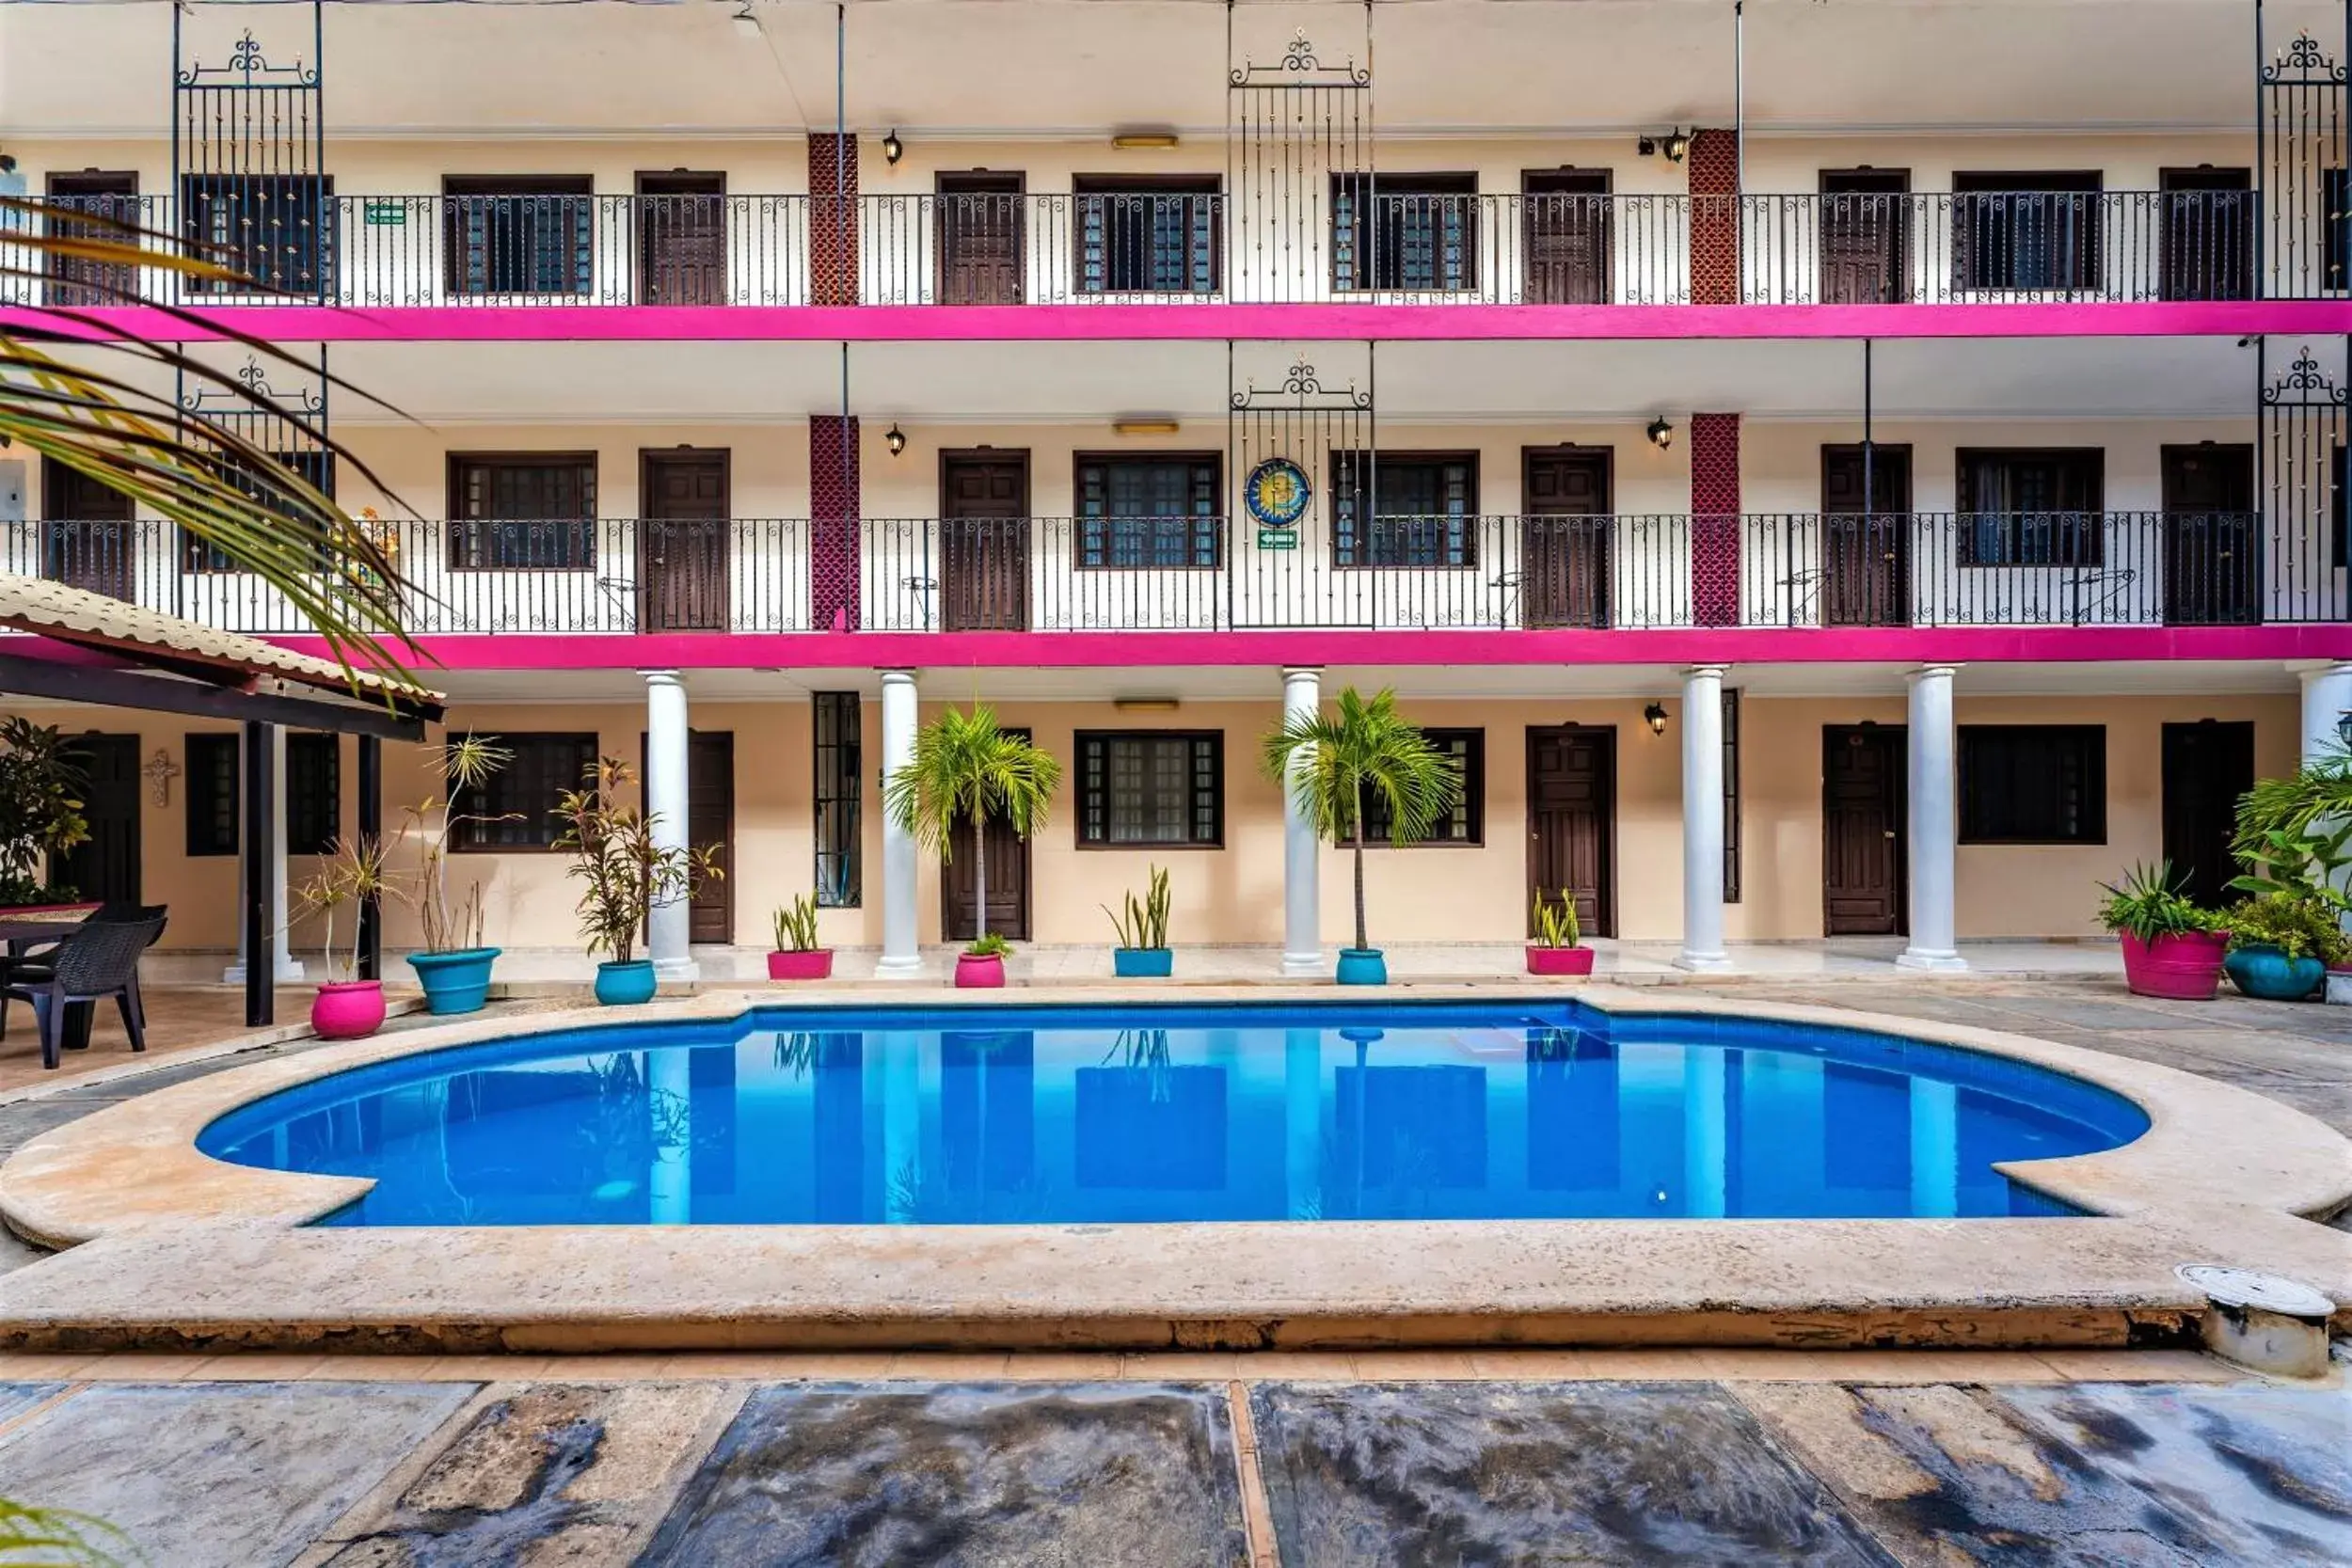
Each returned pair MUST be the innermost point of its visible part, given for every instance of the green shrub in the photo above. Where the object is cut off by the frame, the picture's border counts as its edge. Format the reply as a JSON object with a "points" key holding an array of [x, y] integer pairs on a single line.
{"points": [[2299, 927]]}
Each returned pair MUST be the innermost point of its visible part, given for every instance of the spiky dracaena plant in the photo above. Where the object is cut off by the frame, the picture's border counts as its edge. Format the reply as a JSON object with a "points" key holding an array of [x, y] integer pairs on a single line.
{"points": [[78, 388], [627, 874], [965, 770], [1333, 764], [464, 765], [352, 873]]}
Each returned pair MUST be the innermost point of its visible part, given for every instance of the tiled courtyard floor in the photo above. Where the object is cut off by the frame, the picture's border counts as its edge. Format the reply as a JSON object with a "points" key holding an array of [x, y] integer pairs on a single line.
{"points": [[1687, 1457]]}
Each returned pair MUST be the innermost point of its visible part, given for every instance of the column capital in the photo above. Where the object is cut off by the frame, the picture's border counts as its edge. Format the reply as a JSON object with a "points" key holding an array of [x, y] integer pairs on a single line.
{"points": [[663, 677], [897, 677], [1704, 671], [1931, 672], [1302, 672]]}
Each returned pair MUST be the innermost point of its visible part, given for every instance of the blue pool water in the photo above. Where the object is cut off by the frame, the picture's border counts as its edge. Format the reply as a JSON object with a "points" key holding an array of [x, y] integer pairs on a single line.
{"points": [[1028, 1115]]}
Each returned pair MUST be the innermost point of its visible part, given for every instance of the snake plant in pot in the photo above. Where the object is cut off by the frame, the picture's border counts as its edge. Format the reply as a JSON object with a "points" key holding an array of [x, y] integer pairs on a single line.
{"points": [[796, 955], [1143, 953], [627, 874], [1556, 942]]}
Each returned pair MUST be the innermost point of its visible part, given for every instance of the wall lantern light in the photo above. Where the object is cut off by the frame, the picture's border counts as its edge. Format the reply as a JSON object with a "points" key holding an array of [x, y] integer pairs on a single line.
{"points": [[892, 149], [1656, 716], [896, 439], [1677, 148], [1661, 432]]}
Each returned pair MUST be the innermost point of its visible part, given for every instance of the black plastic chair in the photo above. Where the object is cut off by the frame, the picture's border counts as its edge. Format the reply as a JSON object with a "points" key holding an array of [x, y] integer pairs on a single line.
{"points": [[28, 962], [100, 960]]}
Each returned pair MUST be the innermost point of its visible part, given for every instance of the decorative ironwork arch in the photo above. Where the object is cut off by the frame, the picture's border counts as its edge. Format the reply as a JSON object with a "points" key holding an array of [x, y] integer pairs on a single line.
{"points": [[2303, 416], [288, 424], [2305, 192], [1299, 169], [1304, 426], [248, 163]]}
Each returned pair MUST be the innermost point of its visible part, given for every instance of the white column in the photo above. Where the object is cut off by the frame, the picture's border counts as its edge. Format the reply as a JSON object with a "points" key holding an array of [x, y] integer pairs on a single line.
{"points": [[901, 958], [1935, 825], [1302, 852], [1302, 1122], [668, 925], [1703, 819], [2326, 698], [669, 1101], [1706, 1134], [285, 967], [1934, 1149]]}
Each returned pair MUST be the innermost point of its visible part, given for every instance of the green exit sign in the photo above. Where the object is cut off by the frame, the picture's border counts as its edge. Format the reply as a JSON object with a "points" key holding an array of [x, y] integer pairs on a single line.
{"points": [[391, 215], [1277, 539]]}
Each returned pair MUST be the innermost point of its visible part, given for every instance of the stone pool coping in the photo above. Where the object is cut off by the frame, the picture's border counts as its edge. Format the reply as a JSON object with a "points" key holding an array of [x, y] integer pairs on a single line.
{"points": [[173, 1249]]}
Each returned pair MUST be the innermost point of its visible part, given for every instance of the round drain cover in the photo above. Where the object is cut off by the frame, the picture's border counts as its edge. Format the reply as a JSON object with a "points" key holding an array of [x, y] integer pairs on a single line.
{"points": [[2263, 1292]]}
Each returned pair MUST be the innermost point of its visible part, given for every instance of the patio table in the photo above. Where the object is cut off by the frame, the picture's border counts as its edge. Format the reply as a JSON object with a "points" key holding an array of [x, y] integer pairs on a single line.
{"points": [[22, 930]]}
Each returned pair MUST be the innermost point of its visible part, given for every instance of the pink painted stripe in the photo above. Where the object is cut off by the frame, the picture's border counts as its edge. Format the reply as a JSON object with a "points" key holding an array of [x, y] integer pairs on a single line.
{"points": [[1204, 322], [874, 650]]}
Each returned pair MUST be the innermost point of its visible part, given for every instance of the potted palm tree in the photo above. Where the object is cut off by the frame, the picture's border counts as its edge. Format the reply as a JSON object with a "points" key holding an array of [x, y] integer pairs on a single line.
{"points": [[965, 770], [1557, 947], [1333, 763], [627, 874], [1142, 952], [455, 966], [354, 1008], [796, 956], [2171, 948]]}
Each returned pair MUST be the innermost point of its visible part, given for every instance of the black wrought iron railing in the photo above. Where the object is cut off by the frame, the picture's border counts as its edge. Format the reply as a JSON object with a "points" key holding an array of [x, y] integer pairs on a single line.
{"points": [[1190, 573], [1194, 246]]}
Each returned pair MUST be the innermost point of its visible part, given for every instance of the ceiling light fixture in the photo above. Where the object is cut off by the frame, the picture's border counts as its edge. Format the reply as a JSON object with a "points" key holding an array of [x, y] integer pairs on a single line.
{"points": [[1134, 141], [896, 439], [892, 149], [1677, 146], [1661, 432], [1146, 704], [1655, 715], [1145, 427]]}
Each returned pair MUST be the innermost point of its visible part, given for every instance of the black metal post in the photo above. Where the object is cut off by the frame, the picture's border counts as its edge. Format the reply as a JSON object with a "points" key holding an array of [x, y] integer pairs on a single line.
{"points": [[371, 830], [259, 854]]}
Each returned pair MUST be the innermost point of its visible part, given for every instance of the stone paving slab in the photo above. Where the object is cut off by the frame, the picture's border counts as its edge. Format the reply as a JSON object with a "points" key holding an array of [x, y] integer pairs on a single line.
{"points": [[965, 1477], [2083, 1476], [1616, 1473], [18, 1398], [218, 1475]]}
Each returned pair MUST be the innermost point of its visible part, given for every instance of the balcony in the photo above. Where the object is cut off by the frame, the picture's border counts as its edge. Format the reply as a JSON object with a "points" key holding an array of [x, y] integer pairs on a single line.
{"points": [[1012, 248], [618, 577]]}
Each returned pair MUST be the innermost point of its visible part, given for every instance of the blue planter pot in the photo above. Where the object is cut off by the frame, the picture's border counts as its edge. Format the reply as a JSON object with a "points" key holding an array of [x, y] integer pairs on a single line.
{"points": [[1362, 966], [2270, 975], [624, 985], [455, 982], [1143, 963]]}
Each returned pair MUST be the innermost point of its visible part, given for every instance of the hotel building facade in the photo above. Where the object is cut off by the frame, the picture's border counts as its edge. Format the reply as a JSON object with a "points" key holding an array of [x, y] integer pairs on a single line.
{"points": [[1826, 468]]}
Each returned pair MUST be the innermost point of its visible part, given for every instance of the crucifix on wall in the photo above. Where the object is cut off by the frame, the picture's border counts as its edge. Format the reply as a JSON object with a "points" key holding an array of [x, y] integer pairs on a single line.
{"points": [[160, 770]]}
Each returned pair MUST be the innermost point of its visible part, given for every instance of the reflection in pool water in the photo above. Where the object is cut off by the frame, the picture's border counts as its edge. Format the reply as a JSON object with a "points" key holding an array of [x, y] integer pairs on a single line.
{"points": [[1018, 1114]]}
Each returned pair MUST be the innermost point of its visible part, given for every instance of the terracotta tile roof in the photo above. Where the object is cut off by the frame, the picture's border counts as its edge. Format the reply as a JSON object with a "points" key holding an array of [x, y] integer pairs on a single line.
{"points": [[79, 616]]}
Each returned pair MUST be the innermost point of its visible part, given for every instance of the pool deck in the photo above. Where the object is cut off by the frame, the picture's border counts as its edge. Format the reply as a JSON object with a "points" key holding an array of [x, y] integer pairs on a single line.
{"points": [[180, 1252]]}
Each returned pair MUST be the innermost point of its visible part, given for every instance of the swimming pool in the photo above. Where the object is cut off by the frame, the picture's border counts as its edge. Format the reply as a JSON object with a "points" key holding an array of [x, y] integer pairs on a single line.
{"points": [[1023, 1115]]}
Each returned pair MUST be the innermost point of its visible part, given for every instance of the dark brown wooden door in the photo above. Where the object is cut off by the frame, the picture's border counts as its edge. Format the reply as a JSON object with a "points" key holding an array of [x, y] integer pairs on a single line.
{"points": [[984, 524], [1865, 552], [682, 541], [1563, 537], [979, 233], [1865, 220], [87, 531], [105, 866], [2207, 765], [1862, 831], [103, 195], [2207, 250], [1572, 822], [2212, 550], [1007, 880], [681, 239], [1566, 237], [709, 820]]}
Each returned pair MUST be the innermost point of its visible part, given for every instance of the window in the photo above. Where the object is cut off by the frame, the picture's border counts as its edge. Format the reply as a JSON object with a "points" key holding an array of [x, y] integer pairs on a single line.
{"points": [[508, 235], [2033, 783], [1731, 795], [2034, 230], [314, 793], [1404, 509], [2037, 507], [1416, 231], [1137, 234], [838, 795], [1163, 511], [1467, 822], [522, 511], [524, 793], [1150, 787], [276, 230], [314, 467], [213, 795]]}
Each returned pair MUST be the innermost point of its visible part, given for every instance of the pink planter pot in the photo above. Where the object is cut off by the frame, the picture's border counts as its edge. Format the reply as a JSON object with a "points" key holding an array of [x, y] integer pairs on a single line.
{"points": [[348, 1010], [813, 965], [978, 973], [2183, 967], [1559, 960]]}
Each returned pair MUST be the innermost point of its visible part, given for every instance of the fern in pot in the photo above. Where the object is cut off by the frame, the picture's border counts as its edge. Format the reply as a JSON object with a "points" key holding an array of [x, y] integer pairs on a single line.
{"points": [[797, 954], [627, 874], [1142, 952], [1555, 941]]}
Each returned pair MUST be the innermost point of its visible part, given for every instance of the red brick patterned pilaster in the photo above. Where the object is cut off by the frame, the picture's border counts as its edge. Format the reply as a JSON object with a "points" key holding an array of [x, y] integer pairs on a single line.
{"points": [[831, 219], [1714, 169], [1715, 519], [832, 510]]}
